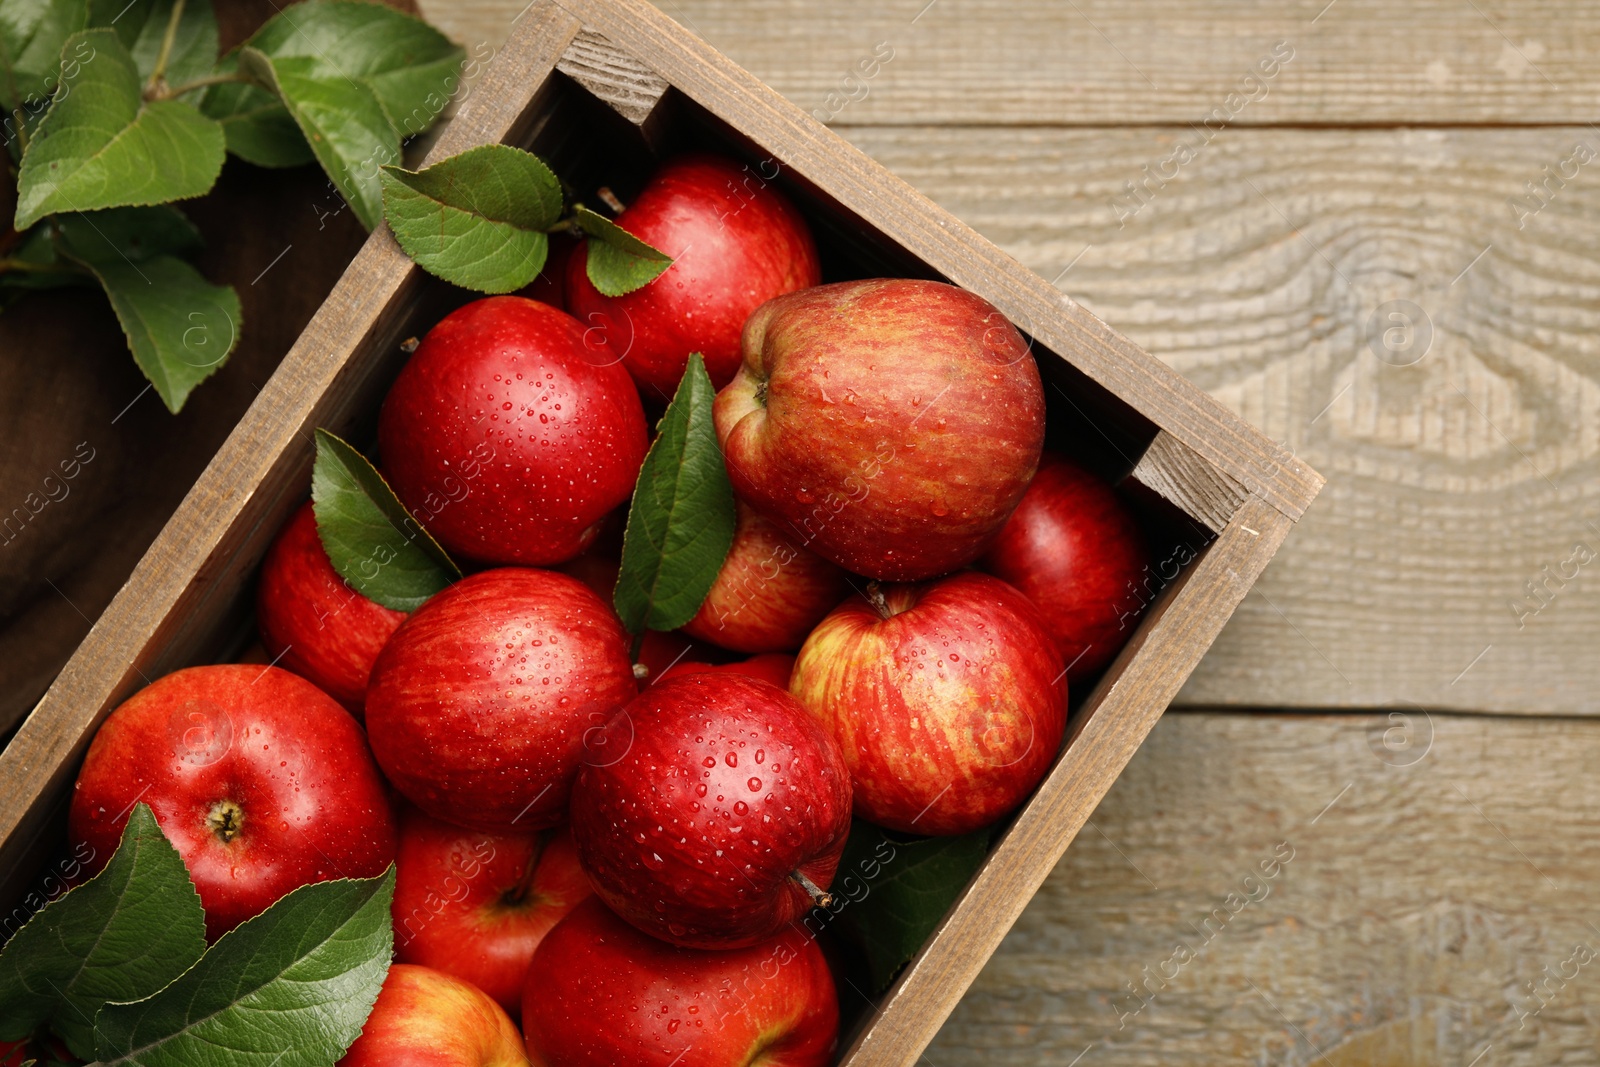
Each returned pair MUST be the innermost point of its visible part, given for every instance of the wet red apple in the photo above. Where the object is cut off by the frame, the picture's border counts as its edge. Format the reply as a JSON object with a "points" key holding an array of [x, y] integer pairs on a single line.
{"points": [[947, 698], [769, 593], [600, 993], [717, 814], [890, 425], [479, 705], [260, 780], [475, 905], [507, 438], [311, 621], [1076, 550], [735, 241]]}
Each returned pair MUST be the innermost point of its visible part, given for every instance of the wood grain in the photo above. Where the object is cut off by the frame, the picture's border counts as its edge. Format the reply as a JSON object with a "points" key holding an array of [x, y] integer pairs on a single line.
{"points": [[1105, 62], [1432, 881], [1256, 272]]}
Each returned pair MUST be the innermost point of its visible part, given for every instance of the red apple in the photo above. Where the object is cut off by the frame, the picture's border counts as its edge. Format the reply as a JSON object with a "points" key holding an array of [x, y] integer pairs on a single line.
{"points": [[507, 438], [720, 799], [479, 704], [1076, 550], [312, 622], [735, 241], [260, 780], [600, 994], [475, 905], [769, 593], [948, 699], [889, 425], [424, 1018], [774, 667]]}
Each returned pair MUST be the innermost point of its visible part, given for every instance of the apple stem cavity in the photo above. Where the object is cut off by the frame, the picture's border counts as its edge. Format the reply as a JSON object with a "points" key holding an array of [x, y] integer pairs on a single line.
{"points": [[820, 898], [224, 819], [879, 603], [609, 199]]}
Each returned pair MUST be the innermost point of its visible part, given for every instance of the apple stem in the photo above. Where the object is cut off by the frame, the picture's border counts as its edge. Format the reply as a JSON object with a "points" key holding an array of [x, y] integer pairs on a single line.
{"points": [[820, 898], [609, 199], [876, 598]]}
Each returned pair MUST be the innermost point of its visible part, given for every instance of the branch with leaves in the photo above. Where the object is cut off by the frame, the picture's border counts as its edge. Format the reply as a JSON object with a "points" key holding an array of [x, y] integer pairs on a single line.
{"points": [[118, 109]]}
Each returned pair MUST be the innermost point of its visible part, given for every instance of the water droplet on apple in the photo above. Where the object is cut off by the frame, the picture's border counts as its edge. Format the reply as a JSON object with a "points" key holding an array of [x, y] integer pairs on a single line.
{"points": [[710, 761], [741, 808], [732, 759], [754, 784]]}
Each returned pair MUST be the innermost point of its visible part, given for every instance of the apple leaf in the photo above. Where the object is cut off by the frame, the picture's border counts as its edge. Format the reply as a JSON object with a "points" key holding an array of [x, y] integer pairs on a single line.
{"points": [[371, 539], [142, 25], [258, 128], [907, 886], [411, 68], [122, 935], [356, 78], [180, 327], [477, 219], [681, 519], [291, 987], [31, 35], [343, 120], [101, 145], [616, 261], [132, 233]]}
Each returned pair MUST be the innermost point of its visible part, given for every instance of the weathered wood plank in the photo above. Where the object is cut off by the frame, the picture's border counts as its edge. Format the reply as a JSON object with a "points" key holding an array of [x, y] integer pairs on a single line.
{"points": [[1104, 62], [1258, 273], [1430, 886]]}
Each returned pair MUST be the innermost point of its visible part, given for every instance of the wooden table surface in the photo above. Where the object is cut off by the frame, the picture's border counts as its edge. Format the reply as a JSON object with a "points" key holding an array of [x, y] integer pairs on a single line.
{"points": [[1382, 251]]}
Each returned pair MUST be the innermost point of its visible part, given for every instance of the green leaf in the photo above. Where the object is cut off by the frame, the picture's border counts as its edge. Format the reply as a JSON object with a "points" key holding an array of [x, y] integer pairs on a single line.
{"points": [[180, 327], [258, 128], [122, 935], [907, 887], [134, 234], [617, 262], [411, 68], [290, 987], [370, 537], [343, 121], [356, 79], [101, 146], [31, 35], [142, 24], [36, 248], [477, 219], [681, 520]]}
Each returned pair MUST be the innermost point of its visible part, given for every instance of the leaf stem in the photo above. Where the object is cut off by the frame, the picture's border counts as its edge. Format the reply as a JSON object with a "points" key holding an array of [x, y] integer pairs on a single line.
{"points": [[237, 77], [158, 76]]}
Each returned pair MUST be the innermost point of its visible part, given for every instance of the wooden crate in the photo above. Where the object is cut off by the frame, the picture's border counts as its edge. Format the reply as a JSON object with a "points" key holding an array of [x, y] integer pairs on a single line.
{"points": [[601, 88]]}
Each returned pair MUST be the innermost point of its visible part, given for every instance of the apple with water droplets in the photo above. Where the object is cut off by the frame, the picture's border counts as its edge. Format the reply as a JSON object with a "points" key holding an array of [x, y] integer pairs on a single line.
{"points": [[480, 704], [260, 780], [889, 425], [312, 622], [735, 241], [1075, 549], [475, 905], [600, 994], [712, 810], [507, 437], [948, 699]]}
